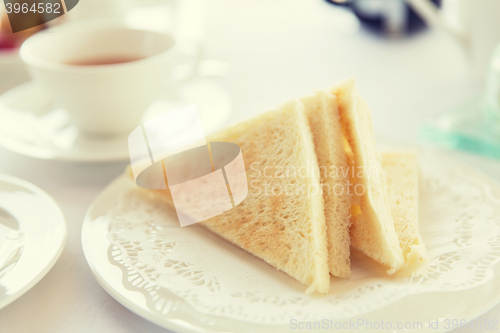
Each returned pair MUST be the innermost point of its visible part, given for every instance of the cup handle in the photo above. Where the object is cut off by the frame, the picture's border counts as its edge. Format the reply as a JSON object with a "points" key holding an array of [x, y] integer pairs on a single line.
{"points": [[430, 13]]}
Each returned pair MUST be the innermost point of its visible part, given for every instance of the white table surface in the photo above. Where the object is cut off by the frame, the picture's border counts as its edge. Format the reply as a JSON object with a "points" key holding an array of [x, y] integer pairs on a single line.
{"points": [[278, 50]]}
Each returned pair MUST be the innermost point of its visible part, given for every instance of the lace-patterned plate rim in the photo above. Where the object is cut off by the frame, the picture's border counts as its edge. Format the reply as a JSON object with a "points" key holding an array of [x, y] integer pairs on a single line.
{"points": [[160, 264], [182, 317]]}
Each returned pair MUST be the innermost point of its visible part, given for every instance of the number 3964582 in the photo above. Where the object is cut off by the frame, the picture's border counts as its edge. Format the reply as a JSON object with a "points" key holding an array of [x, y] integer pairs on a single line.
{"points": [[39, 8]]}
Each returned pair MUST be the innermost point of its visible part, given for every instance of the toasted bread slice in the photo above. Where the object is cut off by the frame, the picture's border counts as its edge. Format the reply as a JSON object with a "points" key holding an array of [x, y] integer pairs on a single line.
{"points": [[372, 230], [324, 118], [402, 190], [282, 219]]}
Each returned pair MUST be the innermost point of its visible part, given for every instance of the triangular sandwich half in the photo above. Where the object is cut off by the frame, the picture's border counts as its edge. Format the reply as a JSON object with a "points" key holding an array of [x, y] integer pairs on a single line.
{"points": [[282, 219], [372, 230], [402, 190], [323, 113]]}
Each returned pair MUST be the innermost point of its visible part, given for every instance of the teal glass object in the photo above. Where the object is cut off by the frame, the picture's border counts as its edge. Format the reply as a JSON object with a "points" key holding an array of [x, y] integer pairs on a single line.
{"points": [[473, 126]]}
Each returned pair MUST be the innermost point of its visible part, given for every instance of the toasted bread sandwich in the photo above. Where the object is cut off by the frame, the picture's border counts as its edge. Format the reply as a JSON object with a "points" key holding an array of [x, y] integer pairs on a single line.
{"points": [[324, 118], [402, 191], [282, 219], [372, 230]]}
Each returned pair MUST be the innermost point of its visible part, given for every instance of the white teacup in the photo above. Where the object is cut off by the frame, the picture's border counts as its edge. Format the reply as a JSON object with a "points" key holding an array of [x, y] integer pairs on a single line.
{"points": [[102, 98]]}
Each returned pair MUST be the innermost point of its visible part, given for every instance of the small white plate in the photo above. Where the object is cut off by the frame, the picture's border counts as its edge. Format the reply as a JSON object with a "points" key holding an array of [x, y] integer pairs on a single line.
{"points": [[32, 236], [189, 280], [33, 126]]}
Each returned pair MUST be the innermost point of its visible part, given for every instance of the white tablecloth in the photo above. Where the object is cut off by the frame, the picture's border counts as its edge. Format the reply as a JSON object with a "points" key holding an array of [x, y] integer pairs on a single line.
{"points": [[278, 50]]}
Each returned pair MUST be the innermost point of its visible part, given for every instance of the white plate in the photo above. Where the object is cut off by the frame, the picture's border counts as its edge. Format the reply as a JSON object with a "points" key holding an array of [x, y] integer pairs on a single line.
{"points": [[189, 280], [32, 236], [31, 125]]}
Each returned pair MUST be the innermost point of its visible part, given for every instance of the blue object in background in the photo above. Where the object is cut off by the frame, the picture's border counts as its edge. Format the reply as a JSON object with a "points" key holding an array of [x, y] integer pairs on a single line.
{"points": [[392, 18]]}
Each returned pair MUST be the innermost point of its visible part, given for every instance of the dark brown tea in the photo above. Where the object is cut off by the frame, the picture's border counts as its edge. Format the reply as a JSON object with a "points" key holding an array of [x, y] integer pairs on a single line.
{"points": [[105, 61]]}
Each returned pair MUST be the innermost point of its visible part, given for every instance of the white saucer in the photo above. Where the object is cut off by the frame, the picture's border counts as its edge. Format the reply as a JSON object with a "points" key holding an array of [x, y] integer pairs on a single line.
{"points": [[190, 280], [12, 70], [32, 236], [33, 126]]}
